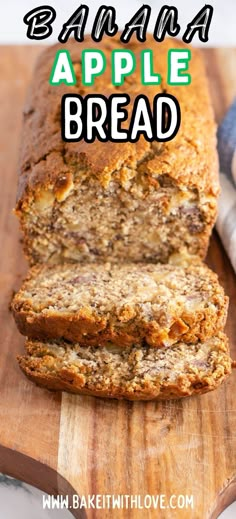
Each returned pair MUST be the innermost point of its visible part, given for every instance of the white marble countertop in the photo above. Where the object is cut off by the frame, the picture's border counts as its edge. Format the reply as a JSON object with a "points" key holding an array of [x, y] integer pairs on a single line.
{"points": [[20, 500]]}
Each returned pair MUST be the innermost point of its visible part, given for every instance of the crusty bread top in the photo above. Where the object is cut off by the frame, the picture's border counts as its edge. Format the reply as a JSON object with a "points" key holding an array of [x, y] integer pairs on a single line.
{"points": [[47, 162]]}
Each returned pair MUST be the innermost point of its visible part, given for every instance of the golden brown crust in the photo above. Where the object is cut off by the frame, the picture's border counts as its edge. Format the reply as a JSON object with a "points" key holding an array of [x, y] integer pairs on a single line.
{"points": [[189, 159], [49, 167], [137, 374], [122, 304]]}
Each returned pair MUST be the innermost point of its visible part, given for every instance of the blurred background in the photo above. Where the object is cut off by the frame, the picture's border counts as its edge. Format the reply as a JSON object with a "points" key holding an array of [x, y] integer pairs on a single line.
{"points": [[222, 31]]}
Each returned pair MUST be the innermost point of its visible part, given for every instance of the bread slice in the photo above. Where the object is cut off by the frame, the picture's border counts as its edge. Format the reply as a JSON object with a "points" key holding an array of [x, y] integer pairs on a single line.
{"points": [[123, 304], [141, 373]]}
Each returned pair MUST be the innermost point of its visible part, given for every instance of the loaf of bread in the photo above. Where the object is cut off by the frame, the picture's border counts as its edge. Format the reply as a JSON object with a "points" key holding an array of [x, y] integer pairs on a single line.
{"points": [[136, 372], [124, 304], [110, 201], [118, 303]]}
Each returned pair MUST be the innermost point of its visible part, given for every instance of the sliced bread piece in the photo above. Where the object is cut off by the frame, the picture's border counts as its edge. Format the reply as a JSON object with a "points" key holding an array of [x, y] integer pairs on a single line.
{"points": [[137, 372], [125, 304]]}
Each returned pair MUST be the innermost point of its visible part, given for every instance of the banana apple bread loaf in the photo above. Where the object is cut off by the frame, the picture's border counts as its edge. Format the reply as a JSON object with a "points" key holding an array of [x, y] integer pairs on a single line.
{"points": [[141, 373], [144, 201], [124, 304]]}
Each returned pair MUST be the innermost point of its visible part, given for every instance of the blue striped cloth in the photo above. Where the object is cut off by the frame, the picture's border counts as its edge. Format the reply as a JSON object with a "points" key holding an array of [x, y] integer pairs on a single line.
{"points": [[226, 221]]}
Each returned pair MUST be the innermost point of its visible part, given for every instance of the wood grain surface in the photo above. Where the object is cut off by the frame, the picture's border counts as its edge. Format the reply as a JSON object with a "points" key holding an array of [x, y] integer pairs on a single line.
{"points": [[70, 444]]}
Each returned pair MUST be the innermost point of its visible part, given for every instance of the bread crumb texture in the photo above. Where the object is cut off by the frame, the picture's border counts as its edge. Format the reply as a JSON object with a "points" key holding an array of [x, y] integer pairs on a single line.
{"points": [[125, 304], [136, 372], [117, 201]]}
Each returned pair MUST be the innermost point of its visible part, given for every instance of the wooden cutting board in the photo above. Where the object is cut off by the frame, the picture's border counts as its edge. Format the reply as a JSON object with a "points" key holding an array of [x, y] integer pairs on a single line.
{"points": [[70, 444]]}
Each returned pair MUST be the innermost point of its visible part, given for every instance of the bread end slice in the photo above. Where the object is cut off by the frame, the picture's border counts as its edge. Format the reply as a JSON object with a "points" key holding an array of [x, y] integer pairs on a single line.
{"points": [[134, 373]]}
